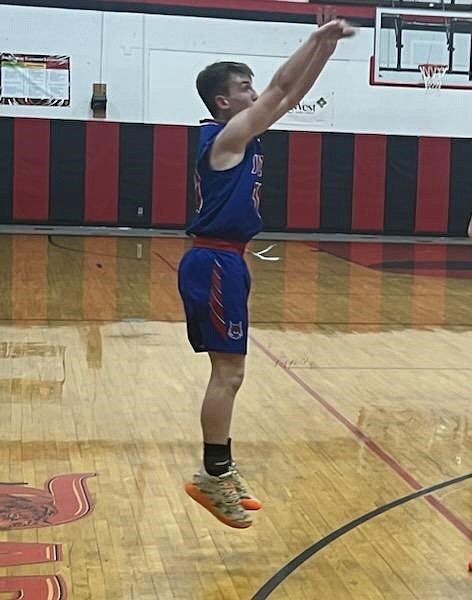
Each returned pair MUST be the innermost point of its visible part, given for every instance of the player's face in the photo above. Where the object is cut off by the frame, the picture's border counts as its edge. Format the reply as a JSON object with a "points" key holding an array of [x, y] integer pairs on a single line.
{"points": [[241, 94]]}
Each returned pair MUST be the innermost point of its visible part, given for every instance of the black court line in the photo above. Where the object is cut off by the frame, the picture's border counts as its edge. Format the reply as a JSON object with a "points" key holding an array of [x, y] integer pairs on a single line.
{"points": [[282, 574]]}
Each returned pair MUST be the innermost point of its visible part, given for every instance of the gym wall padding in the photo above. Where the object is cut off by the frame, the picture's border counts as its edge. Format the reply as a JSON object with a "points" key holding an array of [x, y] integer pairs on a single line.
{"points": [[140, 175]]}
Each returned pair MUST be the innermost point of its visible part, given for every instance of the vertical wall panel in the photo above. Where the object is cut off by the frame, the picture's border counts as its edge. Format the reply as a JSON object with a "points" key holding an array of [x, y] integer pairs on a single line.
{"points": [[169, 190], [31, 170], [6, 169], [102, 172], [67, 166], [460, 203], [400, 191], [368, 194], [136, 161], [304, 177], [336, 182], [274, 183], [432, 200]]}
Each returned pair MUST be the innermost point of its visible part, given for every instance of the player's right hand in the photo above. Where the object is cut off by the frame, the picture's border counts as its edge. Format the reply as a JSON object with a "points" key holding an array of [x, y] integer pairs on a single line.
{"points": [[336, 30]]}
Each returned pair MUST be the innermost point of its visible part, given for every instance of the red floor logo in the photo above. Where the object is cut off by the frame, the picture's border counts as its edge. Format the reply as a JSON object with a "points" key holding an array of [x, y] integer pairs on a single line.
{"points": [[64, 498]]}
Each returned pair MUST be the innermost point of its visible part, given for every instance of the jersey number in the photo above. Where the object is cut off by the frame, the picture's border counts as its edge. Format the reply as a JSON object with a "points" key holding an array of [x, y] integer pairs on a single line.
{"points": [[257, 164], [256, 195], [198, 191]]}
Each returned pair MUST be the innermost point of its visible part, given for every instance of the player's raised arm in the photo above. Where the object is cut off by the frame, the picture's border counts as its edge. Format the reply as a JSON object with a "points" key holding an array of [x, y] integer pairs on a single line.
{"points": [[288, 86]]}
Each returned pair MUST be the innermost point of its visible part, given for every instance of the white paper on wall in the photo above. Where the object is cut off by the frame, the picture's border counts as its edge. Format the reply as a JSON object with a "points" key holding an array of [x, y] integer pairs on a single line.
{"points": [[34, 79]]}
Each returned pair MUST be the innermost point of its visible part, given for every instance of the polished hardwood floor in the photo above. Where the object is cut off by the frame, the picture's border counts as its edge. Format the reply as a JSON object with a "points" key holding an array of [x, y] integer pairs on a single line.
{"points": [[358, 392]]}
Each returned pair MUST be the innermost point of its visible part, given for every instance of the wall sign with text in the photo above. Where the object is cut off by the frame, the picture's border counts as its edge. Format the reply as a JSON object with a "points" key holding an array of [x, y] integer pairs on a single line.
{"points": [[33, 79]]}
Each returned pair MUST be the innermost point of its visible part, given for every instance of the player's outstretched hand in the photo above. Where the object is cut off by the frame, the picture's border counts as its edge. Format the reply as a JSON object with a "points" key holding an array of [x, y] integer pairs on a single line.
{"points": [[336, 30]]}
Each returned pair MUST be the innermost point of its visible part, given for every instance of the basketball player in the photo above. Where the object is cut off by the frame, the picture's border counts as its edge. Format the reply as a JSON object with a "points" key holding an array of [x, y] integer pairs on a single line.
{"points": [[213, 278]]}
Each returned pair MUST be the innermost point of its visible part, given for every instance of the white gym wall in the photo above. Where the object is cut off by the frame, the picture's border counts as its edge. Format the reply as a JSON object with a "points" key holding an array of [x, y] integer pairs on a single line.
{"points": [[149, 63]]}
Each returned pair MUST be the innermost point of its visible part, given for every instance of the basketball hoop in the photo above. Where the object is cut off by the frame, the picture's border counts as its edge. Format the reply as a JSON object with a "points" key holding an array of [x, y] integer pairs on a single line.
{"points": [[432, 75]]}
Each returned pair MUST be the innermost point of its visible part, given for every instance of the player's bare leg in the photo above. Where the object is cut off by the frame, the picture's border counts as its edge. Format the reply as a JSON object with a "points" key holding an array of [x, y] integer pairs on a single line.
{"points": [[227, 374], [214, 486], [226, 378]]}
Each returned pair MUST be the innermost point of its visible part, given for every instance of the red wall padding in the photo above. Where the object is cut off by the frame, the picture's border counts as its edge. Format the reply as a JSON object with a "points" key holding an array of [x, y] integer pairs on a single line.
{"points": [[362, 170], [369, 182], [304, 176], [31, 169], [101, 172], [169, 195], [432, 197]]}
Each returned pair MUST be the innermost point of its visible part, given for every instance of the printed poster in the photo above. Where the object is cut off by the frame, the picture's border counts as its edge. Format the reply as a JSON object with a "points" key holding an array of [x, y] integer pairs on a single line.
{"points": [[34, 79]]}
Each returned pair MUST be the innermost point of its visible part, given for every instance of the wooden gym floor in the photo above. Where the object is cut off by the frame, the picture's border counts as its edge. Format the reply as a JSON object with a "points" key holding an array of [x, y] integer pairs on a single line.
{"points": [[358, 392]]}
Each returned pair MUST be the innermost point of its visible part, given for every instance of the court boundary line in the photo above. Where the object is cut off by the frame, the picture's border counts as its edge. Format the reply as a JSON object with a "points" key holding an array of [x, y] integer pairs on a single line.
{"points": [[279, 577]]}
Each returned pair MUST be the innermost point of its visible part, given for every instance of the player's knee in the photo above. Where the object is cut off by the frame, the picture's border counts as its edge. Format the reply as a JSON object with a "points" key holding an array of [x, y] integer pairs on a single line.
{"points": [[235, 379], [227, 371], [230, 377]]}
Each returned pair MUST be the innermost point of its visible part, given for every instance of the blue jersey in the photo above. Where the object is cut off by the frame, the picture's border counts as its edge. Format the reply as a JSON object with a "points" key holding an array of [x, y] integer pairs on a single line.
{"points": [[227, 202]]}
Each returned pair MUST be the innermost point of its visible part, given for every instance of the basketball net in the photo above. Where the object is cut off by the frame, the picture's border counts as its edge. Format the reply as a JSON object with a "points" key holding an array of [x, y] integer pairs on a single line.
{"points": [[432, 75]]}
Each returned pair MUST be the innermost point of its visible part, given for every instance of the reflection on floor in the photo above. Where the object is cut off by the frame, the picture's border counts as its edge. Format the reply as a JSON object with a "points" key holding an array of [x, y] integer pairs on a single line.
{"points": [[358, 390]]}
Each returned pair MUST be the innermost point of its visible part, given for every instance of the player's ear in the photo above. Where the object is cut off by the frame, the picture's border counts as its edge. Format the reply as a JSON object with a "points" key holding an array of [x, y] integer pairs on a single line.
{"points": [[222, 102]]}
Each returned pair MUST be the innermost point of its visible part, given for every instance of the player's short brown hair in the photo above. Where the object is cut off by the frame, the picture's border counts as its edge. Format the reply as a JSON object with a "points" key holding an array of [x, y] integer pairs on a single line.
{"points": [[214, 79]]}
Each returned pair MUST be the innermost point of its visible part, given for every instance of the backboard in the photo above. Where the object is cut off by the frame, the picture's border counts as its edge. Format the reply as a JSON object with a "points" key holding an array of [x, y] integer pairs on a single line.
{"points": [[407, 38]]}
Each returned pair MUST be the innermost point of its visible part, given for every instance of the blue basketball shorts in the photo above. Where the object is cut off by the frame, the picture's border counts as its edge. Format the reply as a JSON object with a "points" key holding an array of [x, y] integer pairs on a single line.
{"points": [[214, 286]]}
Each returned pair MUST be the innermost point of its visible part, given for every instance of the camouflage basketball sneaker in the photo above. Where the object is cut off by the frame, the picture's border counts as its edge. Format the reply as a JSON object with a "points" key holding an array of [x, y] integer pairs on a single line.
{"points": [[219, 496], [246, 498]]}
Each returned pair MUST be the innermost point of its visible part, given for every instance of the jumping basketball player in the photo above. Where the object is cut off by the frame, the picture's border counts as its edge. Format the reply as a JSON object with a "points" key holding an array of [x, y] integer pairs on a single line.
{"points": [[213, 278]]}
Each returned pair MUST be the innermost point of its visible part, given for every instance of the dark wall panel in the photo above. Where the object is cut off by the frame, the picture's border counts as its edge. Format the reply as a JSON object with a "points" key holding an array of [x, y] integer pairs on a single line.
{"points": [[460, 198], [135, 187], [6, 170], [67, 168], [336, 182], [400, 189]]}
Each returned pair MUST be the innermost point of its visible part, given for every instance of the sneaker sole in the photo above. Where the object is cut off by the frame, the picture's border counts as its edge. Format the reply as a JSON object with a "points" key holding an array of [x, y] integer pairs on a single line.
{"points": [[250, 504], [194, 493]]}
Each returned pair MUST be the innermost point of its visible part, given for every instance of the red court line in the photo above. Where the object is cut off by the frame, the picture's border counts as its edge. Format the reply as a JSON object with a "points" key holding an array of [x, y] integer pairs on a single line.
{"points": [[164, 260], [371, 444]]}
